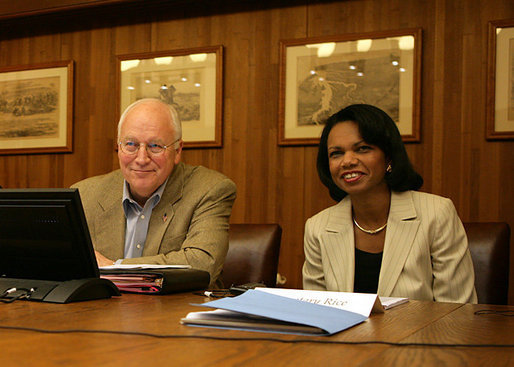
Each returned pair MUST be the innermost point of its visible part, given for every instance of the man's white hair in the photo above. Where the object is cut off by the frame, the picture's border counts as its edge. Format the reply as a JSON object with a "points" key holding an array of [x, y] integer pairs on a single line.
{"points": [[174, 119]]}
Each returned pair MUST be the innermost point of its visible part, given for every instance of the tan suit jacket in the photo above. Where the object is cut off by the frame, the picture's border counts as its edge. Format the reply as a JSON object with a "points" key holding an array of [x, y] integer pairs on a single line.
{"points": [[425, 255], [189, 225]]}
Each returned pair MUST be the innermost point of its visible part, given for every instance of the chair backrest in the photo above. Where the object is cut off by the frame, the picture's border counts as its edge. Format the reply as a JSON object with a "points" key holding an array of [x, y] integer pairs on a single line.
{"points": [[489, 247], [252, 255]]}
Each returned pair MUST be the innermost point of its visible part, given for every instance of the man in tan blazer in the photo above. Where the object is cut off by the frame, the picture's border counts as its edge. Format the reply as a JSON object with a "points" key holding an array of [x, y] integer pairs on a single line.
{"points": [[156, 209]]}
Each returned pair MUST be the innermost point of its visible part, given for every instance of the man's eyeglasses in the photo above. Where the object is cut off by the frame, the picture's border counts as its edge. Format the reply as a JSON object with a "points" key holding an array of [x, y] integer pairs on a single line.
{"points": [[132, 147]]}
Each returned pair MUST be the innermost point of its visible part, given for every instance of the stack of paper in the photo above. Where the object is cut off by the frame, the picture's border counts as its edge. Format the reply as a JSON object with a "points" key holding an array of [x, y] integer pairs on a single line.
{"points": [[136, 283], [155, 279], [264, 310], [390, 302], [142, 266]]}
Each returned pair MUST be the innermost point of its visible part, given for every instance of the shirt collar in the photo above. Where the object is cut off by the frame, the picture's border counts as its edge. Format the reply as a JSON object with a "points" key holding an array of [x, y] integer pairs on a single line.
{"points": [[153, 200]]}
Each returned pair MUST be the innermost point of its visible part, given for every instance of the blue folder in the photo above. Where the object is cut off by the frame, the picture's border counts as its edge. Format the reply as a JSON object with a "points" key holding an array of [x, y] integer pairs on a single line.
{"points": [[287, 310]]}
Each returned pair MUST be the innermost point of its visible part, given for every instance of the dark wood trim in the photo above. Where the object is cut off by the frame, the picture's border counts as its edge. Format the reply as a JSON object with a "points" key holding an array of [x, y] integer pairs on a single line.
{"points": [[18, 9]]}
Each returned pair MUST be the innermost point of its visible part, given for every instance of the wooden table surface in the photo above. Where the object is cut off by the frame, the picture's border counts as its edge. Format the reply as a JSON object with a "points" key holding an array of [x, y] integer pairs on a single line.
{"points": [[413, 322]]}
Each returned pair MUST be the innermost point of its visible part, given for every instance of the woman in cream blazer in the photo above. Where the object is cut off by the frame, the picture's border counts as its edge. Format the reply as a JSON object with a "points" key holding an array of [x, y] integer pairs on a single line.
{"points": [[405, 243]]}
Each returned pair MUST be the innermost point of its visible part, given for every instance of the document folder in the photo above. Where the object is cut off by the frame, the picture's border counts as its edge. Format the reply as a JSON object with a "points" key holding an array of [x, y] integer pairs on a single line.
{"points": [[261, 311], [157, 281]]}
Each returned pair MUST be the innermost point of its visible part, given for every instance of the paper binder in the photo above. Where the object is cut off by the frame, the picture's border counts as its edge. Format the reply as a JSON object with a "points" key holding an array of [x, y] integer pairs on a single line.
{"points": [[157, 281]]}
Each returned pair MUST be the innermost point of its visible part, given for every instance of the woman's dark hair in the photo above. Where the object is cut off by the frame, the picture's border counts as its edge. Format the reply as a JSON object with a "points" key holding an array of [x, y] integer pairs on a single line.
{"points": [[376, 128]]}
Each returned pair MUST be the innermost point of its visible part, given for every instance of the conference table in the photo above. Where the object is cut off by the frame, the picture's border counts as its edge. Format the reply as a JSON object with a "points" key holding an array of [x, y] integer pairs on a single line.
{"points": [[145, 330]]}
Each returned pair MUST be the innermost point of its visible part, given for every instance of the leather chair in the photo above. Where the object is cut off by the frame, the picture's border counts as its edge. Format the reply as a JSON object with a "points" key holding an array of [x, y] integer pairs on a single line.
{"points": [[252, 255], [489, 247]]}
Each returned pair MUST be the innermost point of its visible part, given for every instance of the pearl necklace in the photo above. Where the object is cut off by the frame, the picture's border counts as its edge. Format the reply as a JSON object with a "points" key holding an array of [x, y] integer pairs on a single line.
{"points": [[369, 231]]}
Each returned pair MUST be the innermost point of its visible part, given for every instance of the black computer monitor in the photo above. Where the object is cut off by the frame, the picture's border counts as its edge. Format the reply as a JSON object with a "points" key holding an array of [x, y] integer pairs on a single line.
{"points": [[44, 236]]}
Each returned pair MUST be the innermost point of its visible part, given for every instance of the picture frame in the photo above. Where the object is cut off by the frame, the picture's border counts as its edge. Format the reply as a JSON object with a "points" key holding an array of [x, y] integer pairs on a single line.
{"points": [[36, 108], [189, 79], [500, 80], [321, 75]]}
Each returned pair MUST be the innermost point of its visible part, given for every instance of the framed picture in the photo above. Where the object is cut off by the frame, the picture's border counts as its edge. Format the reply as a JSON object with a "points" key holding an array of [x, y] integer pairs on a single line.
{"points": [[319, 76], [500, 80], [190, 80], [36, 108]]}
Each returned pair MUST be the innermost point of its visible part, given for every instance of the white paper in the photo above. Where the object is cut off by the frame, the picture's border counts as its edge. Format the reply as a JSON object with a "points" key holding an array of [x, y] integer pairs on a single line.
{"points": [[390, 302], [361, 303], [142, 266], [276, 314]]}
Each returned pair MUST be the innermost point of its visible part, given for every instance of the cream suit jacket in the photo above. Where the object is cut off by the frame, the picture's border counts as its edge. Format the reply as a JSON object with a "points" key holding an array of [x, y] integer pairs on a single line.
{"points": [[425, 255], [189, 225]]}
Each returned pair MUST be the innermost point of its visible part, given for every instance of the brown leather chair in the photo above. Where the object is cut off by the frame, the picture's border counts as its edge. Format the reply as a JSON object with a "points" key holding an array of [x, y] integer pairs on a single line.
{"points": [[489, 247], [252, 255]]}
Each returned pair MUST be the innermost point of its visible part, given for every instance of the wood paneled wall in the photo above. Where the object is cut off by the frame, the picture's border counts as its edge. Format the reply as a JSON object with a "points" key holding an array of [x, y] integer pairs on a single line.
{"points": [[277, 184]]}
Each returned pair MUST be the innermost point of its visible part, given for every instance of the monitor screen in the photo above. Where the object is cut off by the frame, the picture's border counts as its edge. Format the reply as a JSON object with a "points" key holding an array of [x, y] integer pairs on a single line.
{"points": [[44, 235]]}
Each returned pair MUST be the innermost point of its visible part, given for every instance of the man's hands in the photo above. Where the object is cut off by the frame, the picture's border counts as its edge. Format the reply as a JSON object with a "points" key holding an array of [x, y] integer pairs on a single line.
{"points": [[102, 260]]}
